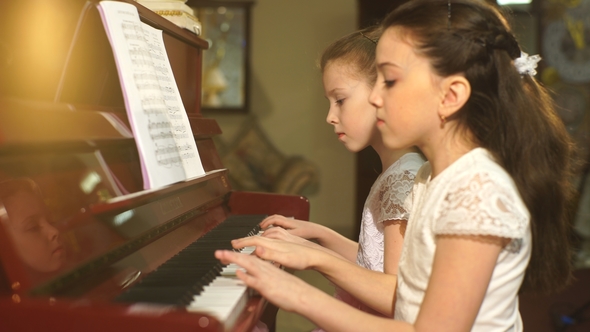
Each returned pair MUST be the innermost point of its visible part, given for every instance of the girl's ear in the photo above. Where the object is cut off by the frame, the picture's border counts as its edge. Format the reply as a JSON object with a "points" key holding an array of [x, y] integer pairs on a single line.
{"points": [[456, 90]]}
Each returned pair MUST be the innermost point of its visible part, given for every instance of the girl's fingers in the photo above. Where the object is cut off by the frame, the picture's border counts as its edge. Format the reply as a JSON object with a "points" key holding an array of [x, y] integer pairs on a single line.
{"points": [[247, 242], [274, 233], [263, 246], [281, 234], [286, 253], [270, 221], [277, 221], [243, 260], [254, 267], [224, 256]]}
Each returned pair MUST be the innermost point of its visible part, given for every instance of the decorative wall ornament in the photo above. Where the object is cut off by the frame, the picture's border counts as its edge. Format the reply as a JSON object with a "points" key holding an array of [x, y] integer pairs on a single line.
{"points": [[175, 11], [255, 164]]}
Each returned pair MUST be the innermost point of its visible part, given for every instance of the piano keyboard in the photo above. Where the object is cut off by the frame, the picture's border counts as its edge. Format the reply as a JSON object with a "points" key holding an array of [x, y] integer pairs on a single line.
{"points": [[195, 279]]}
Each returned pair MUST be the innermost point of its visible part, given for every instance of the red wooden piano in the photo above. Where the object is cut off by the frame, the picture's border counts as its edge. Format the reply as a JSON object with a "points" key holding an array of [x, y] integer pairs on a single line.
{"points": [[82, 246]]}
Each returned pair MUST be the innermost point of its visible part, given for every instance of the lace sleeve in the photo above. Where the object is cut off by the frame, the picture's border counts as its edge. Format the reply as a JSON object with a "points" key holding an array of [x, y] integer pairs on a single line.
{"points": [[394, 190], [480, 205]]}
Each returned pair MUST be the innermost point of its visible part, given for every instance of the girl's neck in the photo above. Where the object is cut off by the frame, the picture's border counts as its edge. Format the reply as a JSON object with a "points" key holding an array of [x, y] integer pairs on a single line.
{"points": [[388, 156], [445, 152]]}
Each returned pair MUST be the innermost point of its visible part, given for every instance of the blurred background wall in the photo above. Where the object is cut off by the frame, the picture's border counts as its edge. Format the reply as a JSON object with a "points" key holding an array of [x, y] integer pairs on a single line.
{"points": [[287, 98]]}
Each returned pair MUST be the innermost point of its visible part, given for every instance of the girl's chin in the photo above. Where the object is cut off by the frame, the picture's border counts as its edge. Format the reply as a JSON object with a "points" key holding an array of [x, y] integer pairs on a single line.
{"points": [[352, 148]]}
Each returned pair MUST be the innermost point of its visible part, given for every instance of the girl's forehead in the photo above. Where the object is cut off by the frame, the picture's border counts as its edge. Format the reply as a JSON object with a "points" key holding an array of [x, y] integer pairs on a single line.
{"points": [[342, 65], [342, 69], [395, 49], [396, 35]]}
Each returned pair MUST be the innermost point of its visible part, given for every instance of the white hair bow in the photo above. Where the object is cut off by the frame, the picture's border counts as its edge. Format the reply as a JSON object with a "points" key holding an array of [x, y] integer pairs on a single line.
{"points": [[526, 64]]}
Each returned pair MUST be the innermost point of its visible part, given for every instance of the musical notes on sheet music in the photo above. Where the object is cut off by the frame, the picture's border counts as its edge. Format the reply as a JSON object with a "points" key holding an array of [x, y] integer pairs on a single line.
{"points": [[154, 107]]}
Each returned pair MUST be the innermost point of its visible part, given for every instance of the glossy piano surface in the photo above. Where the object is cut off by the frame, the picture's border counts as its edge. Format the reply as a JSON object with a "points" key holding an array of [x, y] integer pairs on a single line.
{"points": [[76, 228]]}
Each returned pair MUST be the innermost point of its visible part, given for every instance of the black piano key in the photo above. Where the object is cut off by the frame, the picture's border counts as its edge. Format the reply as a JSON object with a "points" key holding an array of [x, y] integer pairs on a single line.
{"points": [[183, 276], [162, 295]]}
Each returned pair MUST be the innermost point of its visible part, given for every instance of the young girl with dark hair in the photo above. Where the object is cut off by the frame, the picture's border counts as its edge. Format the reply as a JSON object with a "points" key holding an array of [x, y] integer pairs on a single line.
{"points": [[490, 209]]}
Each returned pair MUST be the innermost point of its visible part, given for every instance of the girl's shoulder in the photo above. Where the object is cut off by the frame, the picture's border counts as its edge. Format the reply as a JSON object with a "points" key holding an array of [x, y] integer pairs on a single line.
{"points": [[479, 161], [476, 169], [412, 160], [409, 162], [478, 197], [479, 173], [423, 174]]}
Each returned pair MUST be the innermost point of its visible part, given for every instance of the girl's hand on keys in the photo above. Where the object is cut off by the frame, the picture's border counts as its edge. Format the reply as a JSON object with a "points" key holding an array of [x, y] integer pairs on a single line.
{"points": [[288, 254], [274, 284], [304, 229]]}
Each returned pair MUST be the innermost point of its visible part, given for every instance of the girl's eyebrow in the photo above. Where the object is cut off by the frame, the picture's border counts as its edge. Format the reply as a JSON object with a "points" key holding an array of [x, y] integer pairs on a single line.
{"points": [[386, 63], [335, 90], [32, 218]]}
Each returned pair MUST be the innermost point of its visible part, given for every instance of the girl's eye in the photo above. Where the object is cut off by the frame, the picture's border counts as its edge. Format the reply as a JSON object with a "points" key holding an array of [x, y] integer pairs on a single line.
{"points": [[340, 101], [32, 227], [389, 83]]}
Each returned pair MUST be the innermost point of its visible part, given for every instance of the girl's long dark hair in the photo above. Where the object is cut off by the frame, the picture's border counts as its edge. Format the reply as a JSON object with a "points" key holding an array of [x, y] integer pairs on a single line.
{"points": [[509, 114]]}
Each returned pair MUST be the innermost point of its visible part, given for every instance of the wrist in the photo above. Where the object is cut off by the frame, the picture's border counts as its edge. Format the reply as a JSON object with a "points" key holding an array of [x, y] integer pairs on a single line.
{"points": [[321, 234], [307, 300], [319, 260]]}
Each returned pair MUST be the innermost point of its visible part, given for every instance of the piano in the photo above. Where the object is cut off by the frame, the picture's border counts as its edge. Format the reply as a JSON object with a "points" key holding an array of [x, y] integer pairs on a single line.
{"points": [[82, 246]]}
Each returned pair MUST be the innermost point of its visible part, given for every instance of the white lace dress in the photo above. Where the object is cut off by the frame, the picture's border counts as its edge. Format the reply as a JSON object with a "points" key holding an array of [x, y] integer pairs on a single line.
{"points": [[473, 196], [385, 201]]}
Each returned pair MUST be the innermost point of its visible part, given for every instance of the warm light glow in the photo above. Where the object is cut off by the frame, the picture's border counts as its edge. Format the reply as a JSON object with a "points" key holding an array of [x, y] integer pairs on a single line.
{"points": [[45, 39]]}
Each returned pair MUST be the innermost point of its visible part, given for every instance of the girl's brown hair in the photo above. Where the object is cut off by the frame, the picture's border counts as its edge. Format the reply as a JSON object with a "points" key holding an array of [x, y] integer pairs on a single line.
{"points": [[356, 49], [509, 114]]}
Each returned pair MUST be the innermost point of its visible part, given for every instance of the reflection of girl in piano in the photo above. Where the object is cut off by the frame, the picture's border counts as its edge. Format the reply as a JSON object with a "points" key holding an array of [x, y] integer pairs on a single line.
{"points": [[25, 218], [490, 212], [348, 68]]}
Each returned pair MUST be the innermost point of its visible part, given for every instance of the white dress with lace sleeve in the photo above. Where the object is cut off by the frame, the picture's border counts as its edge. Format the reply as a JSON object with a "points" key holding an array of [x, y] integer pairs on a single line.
{"points": [[473, 196], [386, 201]]}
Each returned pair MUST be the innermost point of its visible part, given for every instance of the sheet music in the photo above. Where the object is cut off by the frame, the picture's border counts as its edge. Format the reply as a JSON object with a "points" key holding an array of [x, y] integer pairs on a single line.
{"points": [[158, 119]]}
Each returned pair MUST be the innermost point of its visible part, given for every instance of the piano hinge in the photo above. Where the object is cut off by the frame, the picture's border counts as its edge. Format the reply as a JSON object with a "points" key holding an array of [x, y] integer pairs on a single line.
{"points": [[130, 279]]}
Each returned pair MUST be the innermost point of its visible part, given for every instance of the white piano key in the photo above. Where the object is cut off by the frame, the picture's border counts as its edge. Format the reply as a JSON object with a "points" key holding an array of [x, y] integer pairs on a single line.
{"points": [[225, 297]]}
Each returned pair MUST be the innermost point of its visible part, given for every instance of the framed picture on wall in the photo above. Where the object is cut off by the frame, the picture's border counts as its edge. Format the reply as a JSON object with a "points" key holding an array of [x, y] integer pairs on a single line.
{"points": [[226, 26]]}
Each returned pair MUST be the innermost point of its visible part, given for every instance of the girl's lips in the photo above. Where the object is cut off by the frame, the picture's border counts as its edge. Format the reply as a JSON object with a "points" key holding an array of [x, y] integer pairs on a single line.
{"points": [[380, 122], [59, 251], [340, 135]]}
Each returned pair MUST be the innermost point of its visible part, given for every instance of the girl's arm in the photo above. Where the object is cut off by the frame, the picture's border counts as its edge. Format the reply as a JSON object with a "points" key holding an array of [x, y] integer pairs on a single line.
{"points": [[322, 309], [280, 233], [325, 236], [394, 231], [461, 272], [462, 269], [375, 289]]}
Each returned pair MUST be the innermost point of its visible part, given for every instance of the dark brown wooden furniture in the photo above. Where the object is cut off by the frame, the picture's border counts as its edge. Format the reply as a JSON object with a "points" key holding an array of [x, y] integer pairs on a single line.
{"points": [[60, 102]]}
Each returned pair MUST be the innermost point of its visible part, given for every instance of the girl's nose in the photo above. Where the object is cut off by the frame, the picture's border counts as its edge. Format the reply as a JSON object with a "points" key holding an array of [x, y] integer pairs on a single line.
{"points": [[375, 98], [51, 232], [331, 118]]}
